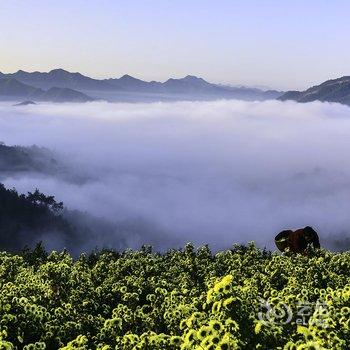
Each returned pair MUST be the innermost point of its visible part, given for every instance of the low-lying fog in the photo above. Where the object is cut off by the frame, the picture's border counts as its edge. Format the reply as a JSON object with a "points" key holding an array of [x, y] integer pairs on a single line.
{"points": [[207, 172]]}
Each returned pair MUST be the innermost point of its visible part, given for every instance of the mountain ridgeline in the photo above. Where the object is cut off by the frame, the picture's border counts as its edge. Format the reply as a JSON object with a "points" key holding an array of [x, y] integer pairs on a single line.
{"points": [[334, 90], [59, 85], [13, 89]]}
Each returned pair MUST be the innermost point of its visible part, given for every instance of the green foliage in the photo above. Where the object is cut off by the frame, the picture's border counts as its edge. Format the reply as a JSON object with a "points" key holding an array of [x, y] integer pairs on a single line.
{"points": [[183, 299]]}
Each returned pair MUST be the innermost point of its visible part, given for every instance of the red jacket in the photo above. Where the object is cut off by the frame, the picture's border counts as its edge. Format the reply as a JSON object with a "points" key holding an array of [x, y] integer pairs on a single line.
{"points": [[299, 240]]}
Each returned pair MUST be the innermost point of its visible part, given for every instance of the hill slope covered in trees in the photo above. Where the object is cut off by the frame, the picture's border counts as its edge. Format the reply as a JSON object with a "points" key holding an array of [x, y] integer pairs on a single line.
{"points": [[25, 219], [334, 90]]}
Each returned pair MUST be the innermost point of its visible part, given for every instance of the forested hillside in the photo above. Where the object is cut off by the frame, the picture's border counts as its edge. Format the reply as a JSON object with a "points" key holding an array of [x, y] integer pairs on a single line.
{"points": [[25, 219], [24, 159]]}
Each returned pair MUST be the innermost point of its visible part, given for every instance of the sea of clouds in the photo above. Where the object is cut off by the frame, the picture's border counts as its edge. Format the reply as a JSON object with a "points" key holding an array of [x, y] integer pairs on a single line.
{"points": [[208, 172]]}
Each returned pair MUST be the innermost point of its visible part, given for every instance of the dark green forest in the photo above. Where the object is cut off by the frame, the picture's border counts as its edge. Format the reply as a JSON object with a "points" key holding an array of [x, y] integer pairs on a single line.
{"points": [[25, 218]]}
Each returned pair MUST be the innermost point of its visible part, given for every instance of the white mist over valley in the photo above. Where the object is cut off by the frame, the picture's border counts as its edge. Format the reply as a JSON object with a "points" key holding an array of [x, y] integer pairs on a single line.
{"points": [[215, 172]]}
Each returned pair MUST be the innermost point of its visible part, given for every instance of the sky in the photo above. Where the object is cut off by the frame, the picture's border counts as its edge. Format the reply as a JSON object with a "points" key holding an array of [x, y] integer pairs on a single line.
{"points": [[289, 44]]}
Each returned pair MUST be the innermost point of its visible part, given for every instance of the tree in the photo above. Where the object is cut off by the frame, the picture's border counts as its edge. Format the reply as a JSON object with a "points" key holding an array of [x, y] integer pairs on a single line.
{"points": [[49, 202]]}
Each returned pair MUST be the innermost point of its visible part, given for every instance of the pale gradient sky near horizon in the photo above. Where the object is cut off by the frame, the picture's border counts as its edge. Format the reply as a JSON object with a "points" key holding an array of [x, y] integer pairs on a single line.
{"points": [[285, 44]]}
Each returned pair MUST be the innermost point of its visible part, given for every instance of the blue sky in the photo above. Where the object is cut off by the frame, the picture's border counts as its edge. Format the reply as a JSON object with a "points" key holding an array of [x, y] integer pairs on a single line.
{"points": [[279, 43]]}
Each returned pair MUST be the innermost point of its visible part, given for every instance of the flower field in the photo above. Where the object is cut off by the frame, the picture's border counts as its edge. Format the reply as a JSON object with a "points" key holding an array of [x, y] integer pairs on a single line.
{"points": [[243, 298]]}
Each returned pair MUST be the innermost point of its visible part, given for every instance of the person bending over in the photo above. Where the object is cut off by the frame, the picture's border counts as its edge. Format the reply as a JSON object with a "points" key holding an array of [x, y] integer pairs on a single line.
{"points": [[298, 241]]}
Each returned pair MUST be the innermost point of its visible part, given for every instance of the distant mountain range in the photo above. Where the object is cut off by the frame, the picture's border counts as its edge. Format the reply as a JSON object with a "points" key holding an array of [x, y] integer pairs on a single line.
{"points": [[335, 90], [59, 85], [13, 89], [59, 78]]}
